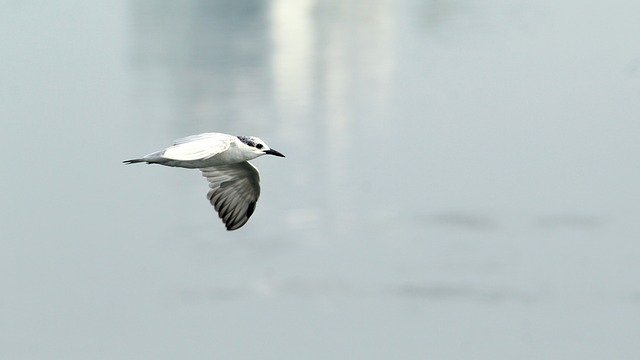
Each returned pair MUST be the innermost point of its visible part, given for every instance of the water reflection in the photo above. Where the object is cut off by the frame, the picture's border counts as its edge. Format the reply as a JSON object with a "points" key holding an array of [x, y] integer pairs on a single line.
{"points": [[209, 59], [463, 220], [319, 289], [458, 158], [449, 292], [309, 72], [272, 287], [434, 14]]}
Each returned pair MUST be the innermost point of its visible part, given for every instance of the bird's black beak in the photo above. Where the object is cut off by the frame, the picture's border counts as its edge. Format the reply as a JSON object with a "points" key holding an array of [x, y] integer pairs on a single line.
{"points": [[273, 152]]}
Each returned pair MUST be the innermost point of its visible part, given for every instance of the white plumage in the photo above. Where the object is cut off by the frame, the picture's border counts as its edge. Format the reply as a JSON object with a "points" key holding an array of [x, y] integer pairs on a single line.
{"points": [[223, 160]]}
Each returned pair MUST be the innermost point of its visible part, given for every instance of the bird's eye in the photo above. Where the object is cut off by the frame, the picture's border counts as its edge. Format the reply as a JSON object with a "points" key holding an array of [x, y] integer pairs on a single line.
{"points": [[259, 146]]}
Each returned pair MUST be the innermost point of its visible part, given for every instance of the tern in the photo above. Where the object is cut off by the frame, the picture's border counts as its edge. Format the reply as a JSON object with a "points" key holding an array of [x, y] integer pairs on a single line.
{"points": [[223, 160]]}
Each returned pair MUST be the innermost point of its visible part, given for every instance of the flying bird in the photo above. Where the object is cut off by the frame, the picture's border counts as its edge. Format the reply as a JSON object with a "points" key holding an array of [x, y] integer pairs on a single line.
{"points": [[223, 160]]}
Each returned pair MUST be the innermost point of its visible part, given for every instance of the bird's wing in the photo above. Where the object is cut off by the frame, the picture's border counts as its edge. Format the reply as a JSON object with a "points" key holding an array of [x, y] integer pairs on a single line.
{"points": [[198, 147], [190, 138], [235, 189]]}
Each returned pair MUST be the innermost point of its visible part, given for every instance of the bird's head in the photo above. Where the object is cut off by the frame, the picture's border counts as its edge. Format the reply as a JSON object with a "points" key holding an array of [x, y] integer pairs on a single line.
{"points": [[258, 146]]}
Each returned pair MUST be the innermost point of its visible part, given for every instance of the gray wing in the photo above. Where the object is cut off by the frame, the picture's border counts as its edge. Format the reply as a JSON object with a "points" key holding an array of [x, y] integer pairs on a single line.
{"points": [[191, 138], [235, 189], [197, 147]]}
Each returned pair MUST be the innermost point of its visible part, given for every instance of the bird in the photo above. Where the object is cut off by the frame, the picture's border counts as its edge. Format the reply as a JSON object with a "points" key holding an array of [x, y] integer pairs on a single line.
{"points": [[224, 160]]}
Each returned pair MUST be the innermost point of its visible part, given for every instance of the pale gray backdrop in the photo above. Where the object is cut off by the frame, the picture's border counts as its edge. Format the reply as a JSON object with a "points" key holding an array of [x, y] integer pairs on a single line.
{"points": [[461, 181]]}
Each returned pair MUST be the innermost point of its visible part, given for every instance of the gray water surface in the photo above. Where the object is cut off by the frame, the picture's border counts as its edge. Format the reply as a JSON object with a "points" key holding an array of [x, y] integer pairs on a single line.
{"points": [[461, 180]]}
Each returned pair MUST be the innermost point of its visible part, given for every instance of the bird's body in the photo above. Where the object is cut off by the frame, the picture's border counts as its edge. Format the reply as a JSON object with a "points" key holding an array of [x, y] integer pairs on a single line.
{"points": [[223, 160]]}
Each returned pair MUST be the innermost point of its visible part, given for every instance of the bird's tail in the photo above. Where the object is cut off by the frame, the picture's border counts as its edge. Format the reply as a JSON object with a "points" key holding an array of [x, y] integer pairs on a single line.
{"points": [[133, 161]]}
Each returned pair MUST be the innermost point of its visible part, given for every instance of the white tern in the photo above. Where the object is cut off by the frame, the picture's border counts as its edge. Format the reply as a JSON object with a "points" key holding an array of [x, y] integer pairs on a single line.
{"points": [[223, 160]]}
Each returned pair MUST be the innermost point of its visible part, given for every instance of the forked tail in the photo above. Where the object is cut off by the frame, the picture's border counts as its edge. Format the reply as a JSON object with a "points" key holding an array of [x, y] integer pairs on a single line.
{"points": [[133, 161]]}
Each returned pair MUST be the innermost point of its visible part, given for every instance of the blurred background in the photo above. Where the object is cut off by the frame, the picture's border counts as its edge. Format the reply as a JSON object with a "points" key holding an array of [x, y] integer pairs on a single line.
{"points": [[461, 179]]}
